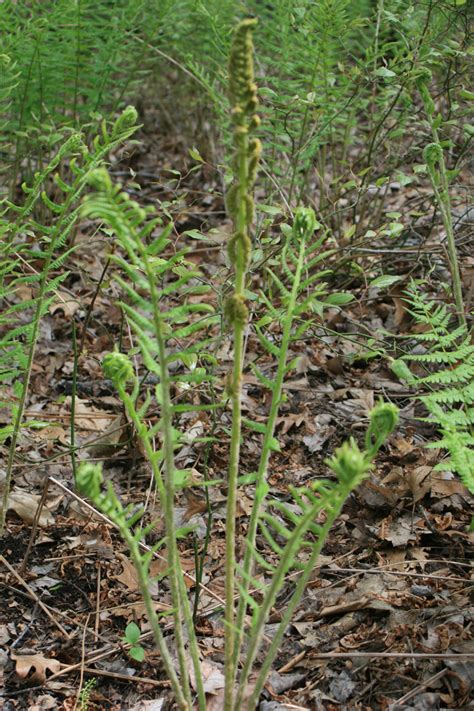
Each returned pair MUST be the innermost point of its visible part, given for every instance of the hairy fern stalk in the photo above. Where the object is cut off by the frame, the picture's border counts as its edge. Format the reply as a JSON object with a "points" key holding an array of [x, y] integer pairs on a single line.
{"points": [[448, 360]]}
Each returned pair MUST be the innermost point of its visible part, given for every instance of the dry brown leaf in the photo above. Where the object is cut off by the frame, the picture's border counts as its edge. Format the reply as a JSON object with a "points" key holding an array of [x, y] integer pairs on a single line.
{"points": [[419, 481], [35, 666], [87, 417], [212, 677], [26, 506], [43, 703], [400, 531], [110, 440], [64, 302]]}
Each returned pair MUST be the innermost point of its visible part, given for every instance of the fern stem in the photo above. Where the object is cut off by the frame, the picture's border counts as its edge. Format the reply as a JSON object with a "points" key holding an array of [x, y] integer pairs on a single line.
{"points": [[181, 603], [234, 456], [260, 484], [243, 94], [256, 637], [444, 202], [182, 699]]}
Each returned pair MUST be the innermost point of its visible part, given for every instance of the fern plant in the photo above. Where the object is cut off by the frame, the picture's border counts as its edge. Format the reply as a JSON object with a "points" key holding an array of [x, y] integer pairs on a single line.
{"points": [[448, 384], [150, 278], [18, 336]]}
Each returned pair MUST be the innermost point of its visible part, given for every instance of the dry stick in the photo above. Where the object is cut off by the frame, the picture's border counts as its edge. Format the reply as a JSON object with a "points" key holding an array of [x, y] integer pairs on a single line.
{"points": [[391, 655], [34, 526], [381, 570], [83, 656], [35, 597], [91, 306], [97, 605], [125, 677], [421, 687]]}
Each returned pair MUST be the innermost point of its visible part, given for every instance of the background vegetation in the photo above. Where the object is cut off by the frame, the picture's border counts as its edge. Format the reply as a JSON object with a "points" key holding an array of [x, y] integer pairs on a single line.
{"points": [[351, 240]]}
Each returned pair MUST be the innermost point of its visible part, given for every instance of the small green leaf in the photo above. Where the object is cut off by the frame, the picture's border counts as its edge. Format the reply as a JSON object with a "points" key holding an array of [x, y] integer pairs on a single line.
{"points": [[349, 232], [420, 169], [269, 210], [132, 633], [254, 426], [195, 155], [274, 445], [137, 653], [339, 298], [402, 371], [384, 72], [382, 282], [182, 478]]}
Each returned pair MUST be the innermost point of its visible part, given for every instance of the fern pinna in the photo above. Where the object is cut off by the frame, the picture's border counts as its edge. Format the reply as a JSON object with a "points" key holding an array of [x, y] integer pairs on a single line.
{"points": [[448, 385]]}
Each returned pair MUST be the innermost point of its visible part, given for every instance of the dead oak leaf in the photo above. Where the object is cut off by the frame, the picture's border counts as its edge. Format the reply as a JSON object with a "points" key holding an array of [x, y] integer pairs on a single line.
{"points": [[35, 666], [400, 532]]}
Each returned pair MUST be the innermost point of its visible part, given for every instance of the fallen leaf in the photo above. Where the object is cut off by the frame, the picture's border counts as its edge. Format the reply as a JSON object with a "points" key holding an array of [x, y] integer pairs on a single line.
{"points": [[43, 703], [35, 666], [26, 506], [399, 532], [64, 302], [212, 677], [150, 705]]}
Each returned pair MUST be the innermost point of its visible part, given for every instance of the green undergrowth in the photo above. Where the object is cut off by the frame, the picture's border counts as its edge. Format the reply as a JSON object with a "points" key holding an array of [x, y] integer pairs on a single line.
{"points": [[443, 375]]}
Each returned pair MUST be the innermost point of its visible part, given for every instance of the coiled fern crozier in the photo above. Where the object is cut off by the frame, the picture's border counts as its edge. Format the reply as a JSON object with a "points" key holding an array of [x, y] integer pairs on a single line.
{"points": [[448, 384]]}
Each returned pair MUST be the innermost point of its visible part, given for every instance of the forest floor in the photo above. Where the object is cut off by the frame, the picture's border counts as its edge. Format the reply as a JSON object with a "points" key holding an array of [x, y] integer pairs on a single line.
{"points": [[386, 621]]}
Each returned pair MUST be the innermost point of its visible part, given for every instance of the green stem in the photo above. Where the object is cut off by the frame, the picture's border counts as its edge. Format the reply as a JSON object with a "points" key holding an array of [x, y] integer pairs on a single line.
{"points": [[444, 202], [72, 429], [234, 455], [256, 637], [260, 492], [181, 603], [181, 698]]}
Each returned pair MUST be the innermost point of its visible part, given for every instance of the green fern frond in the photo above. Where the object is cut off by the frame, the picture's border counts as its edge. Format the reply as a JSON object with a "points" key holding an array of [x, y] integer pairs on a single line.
{"points": [[450, 399]]}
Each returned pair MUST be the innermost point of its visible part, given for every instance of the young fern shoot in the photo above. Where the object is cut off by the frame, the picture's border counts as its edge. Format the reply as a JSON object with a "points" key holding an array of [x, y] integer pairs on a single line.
{"points": [[153, 328], [439, 177], [295, 260]]}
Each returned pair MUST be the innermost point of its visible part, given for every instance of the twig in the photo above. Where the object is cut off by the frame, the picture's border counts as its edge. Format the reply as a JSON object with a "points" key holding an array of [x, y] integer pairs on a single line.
{"points": [[34, 527], [421, 687], [35, 597], [83, 656]]}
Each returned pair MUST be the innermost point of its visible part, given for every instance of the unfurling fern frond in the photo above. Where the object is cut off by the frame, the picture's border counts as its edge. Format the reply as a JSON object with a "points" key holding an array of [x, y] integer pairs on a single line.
{"points": [[296, 528], [448, 382], [154, 276], [152, 279]]}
